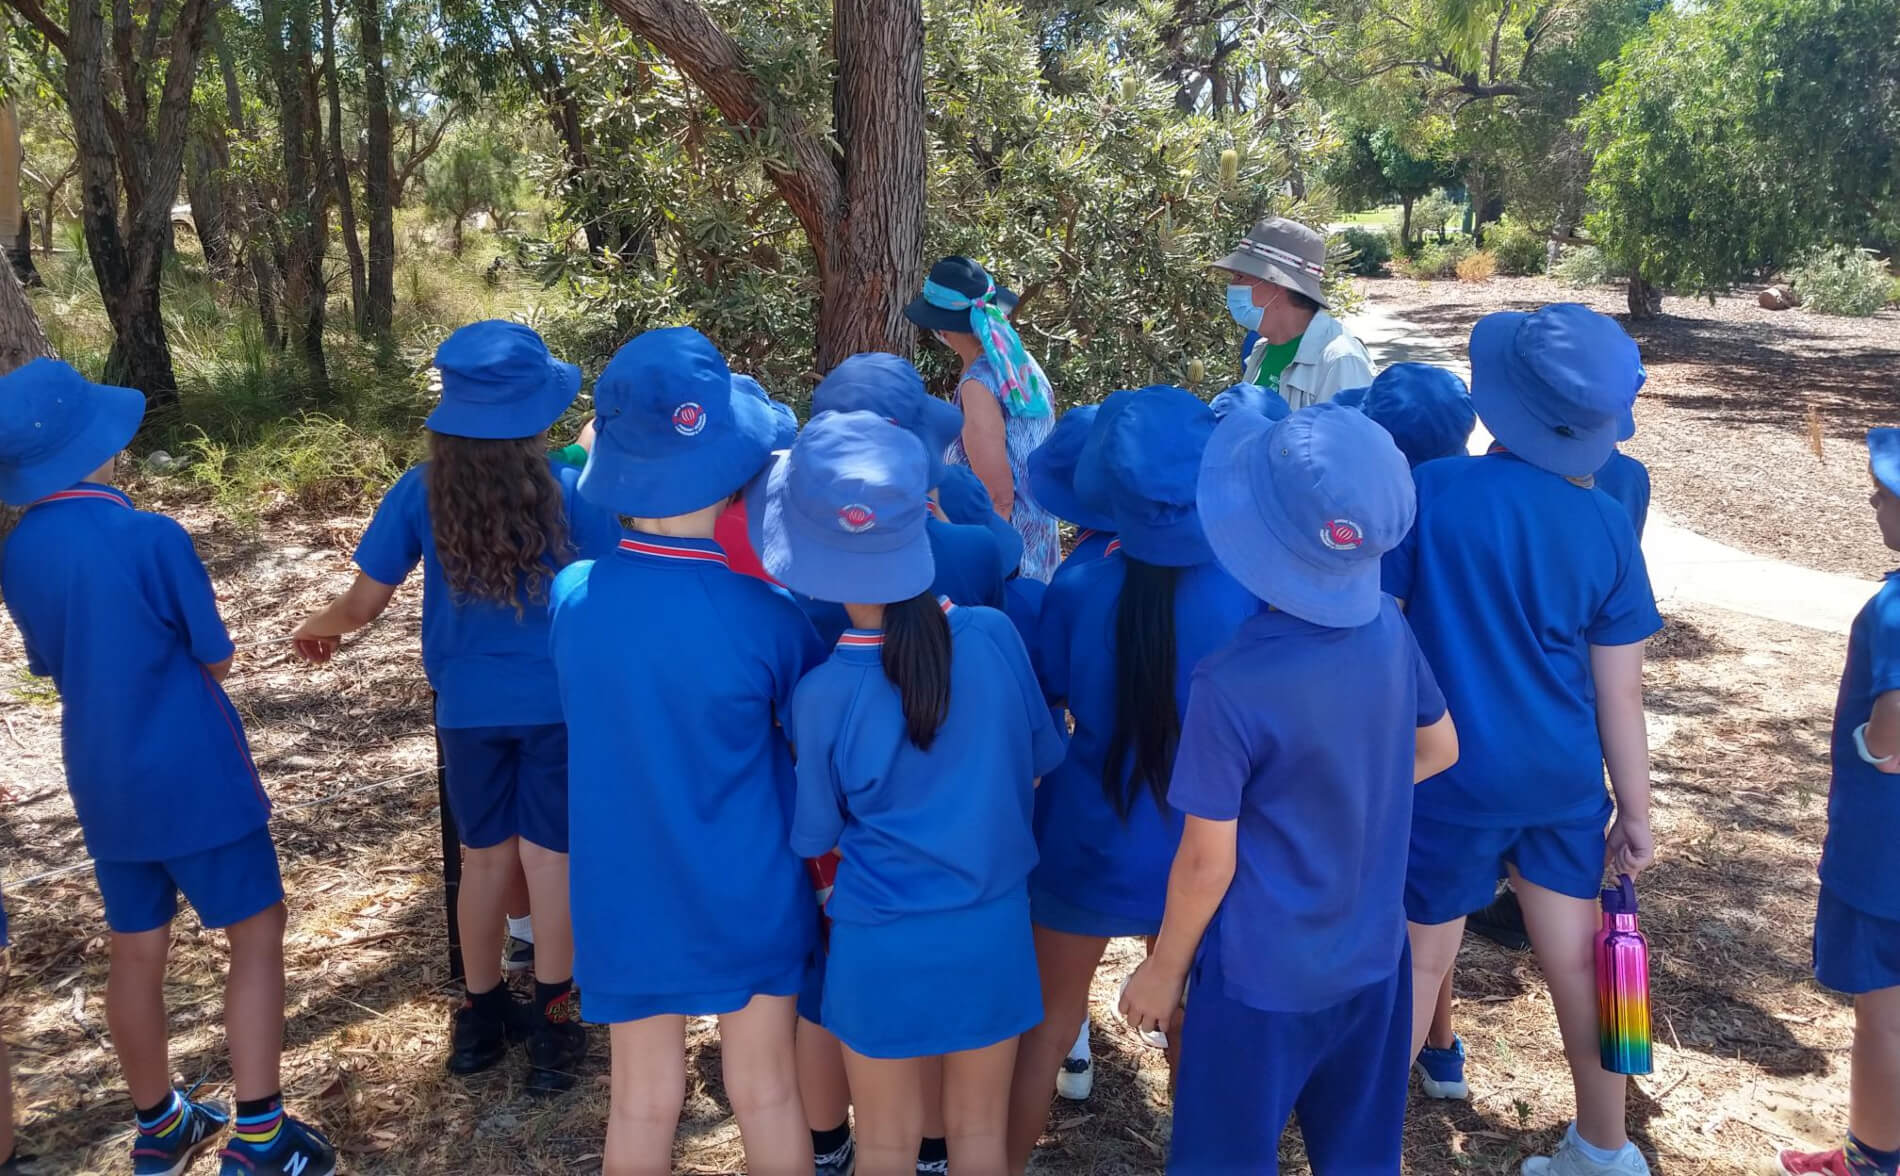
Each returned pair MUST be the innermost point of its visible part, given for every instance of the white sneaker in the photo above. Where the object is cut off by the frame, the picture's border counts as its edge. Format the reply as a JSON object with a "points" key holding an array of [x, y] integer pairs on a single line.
{"points": [[1076, 1080], [1569, 1160]]}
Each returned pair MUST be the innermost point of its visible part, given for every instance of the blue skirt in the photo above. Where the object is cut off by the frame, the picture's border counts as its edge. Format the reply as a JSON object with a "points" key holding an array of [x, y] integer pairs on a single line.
{"points": [[1854, 952], [929, 984]]}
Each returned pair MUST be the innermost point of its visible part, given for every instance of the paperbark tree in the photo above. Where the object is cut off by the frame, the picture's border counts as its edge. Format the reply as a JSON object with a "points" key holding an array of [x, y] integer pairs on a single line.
{"points": [[379, 306]]}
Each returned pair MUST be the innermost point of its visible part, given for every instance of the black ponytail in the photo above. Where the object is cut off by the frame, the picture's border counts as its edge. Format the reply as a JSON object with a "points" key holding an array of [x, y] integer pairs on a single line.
{"points": [[1147, 723], [917, 661]]}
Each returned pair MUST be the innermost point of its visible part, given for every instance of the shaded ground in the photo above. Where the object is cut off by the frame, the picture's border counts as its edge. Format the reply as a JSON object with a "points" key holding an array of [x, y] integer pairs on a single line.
{"points": [[1746, 1043], [1752, 422]]}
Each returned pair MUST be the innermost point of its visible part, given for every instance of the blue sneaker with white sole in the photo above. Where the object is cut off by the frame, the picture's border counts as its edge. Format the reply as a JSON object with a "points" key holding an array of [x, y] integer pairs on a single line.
{"points": [[181, 1135], [1442, 1071], [294, 1149]]}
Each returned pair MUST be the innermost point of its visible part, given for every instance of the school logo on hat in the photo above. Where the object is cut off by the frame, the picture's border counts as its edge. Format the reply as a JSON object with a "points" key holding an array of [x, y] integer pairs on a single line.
{"points": [[689, 419], [857, 518], [1341, 535]]}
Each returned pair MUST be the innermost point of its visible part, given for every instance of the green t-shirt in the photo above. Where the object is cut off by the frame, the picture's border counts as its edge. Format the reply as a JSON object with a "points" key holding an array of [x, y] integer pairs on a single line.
{"points": [[1278, 355], [574, 455]]}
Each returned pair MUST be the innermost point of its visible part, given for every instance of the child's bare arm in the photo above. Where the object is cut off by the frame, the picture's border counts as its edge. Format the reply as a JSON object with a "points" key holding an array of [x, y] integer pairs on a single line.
{"points": [[316, 638], [219, 671], [1883, 732], [1437, 749], [1618, 674], [1203, 870]]}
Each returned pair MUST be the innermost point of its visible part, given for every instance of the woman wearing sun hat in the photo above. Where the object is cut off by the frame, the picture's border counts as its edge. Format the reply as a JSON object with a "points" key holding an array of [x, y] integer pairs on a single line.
{"points": [[1008, 405], [1118, 639], [1529, 595], [919, 744]]}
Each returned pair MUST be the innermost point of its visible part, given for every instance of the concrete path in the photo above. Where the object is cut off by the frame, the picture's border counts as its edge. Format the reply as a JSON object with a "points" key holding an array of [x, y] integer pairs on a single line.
{"points": [[1682, 565]]}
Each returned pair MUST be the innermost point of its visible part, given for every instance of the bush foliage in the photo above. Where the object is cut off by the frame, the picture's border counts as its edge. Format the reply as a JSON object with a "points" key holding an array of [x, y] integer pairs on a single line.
{"points": [[1371, 250], [1584, 265], [1842, 280], [1519, 249]]}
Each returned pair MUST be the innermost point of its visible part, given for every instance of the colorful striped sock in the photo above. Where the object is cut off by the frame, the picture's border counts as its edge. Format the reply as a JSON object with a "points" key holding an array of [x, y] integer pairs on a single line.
{"points": [[165, 1118], [1867, 1161], [259, 1121]]}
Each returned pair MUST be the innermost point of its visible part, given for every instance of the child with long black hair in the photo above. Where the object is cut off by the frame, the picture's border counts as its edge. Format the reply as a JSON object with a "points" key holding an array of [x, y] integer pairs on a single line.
{"points": [[492, 518], [919, 745], [1119, 640]]}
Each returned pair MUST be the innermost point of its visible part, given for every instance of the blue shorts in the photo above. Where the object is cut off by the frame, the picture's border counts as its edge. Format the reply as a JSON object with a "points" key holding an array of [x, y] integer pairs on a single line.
{"points": [[1854, 952], [938, 983], [618, 1008], [1454, 869], [507, 782], [3, 925], [1343, 1070], [1053, 914], [225, 885]]}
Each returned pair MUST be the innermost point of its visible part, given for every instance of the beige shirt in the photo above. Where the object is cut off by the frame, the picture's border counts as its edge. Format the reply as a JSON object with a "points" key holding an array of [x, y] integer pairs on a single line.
{"points": [[1328, 362]]}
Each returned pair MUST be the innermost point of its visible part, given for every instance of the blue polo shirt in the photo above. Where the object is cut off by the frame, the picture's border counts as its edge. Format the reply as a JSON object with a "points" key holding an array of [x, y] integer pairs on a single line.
{"points": [[1092, 858], [1510, 575], [675, 673], [966, 573], [1863, 803], [922, 831], [1088, 545], [1627, 480], [488, 666], [114, 605], [1306, 737], [1022, 603]]}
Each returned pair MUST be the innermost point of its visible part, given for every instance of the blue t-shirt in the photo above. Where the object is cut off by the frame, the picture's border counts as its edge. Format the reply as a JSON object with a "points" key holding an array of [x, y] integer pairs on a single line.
{"points": [[1022, 602], [1509, 576], [1088, 545], [675, 673], [1863, 803], [114, 605], [1091, 857], [489, 667], [1627, 480], [922, 831], [966, 573], [1306, 736]]}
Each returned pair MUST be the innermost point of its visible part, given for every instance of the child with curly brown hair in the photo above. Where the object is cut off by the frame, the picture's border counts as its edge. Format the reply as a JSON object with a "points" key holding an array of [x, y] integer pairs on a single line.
{"points": [[492, 518]]}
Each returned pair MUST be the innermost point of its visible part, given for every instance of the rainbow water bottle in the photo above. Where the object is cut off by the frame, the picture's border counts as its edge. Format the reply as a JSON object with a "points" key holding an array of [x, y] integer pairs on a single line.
{"points": [[1623, 983]]}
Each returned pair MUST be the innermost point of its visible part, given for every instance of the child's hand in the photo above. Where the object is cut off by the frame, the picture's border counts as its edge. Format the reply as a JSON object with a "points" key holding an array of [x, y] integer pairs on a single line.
{"points": [[1152, 997], [1631, 847], [314, 647]]}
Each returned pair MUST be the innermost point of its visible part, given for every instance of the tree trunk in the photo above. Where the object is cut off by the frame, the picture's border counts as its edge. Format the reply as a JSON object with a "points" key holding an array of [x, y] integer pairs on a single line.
{"points": [[1405, 220], [340, 171], [21, 338], [1645, 298], [287, 27], [379, 307], [254, 223], [455, 238], [17, 232], [205, 167]]}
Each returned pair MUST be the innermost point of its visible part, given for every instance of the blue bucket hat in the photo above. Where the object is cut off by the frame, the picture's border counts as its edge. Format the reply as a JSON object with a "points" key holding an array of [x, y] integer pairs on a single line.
{"points": [[56, 427], [787, 419], [1052, 471], [1352, 397], [875, 381], [1143, 459], [1883, 453], [674, 433], [1426, 409], [966, 501], [498, 381], [1553, 386], [1250, 398], [843, 512], [1300, 511]]}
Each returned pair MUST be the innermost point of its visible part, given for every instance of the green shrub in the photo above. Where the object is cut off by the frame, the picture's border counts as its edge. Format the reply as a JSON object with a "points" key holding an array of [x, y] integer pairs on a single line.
{"points": [[1519, 248], [1842, 280], [1584, 265], [315, 462], [1439, 259], [1432, 213], [1371, 250]]}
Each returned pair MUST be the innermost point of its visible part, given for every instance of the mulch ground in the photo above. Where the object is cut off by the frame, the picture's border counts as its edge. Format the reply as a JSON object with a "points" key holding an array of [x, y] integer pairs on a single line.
{"points": [[1753, 421]]}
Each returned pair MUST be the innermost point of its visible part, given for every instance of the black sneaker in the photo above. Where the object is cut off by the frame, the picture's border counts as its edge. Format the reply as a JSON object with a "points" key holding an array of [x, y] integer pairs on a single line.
{"points": [[21, 1164], [1502, 923], [478, 1040], [557, 1045], [298, 1150]]}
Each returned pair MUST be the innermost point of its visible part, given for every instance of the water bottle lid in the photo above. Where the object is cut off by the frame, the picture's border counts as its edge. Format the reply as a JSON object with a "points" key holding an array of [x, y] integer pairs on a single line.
{"points": [[1621, 898]]}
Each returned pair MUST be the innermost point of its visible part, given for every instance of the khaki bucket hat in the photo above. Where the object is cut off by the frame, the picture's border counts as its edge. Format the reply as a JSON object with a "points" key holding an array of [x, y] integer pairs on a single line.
{"points": [[1283, 253]]}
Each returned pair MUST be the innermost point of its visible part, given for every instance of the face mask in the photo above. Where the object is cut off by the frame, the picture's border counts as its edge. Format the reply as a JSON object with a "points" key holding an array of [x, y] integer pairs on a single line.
{"points": [[1240, 305]]}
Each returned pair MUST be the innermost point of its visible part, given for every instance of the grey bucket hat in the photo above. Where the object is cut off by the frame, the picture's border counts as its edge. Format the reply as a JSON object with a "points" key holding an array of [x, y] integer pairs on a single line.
{"points": [[1284, 253]]}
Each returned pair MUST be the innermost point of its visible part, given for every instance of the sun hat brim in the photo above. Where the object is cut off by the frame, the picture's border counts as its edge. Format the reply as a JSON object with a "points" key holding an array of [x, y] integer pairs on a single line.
{"points": [[806, 558], [1500, 381], [1883, 457], [1180, 543], [1009, 544], [116, 415], [1057, 495], [936, 318], [662, 487], [1245, 529], [526, 417], [1252, 265]]}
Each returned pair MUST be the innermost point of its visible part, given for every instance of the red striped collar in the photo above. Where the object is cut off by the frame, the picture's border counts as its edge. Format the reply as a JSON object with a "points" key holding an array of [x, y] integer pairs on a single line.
{"points": [[1114, 545], [683, 550], [874, 638], [84, 490]]}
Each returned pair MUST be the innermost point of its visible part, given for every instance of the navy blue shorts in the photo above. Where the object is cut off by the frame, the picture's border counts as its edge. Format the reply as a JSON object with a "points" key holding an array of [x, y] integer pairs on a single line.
{"points": [[1454, 869], [3, 925], [1343, 1070], [618, 1008], [226, 885], [1054, 914], [1854, 952], [928, 984], [507, 782]]}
